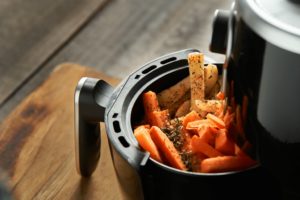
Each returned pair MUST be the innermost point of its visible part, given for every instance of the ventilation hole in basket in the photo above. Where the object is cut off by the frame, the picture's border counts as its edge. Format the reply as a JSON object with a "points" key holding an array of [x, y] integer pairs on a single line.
{"points": [[115, 115], [168, 60], [149, 69], [123, 141], [137, 76], [116, 126]]}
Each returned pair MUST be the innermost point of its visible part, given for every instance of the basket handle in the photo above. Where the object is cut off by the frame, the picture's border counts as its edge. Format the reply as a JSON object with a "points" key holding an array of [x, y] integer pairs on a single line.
{"points": [[91, 98]]}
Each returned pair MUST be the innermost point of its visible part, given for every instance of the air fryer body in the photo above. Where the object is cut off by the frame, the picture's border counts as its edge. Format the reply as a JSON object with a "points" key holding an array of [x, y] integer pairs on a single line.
{"points": [[142, 177], [138, 176], [270, 76], [264, 71]]}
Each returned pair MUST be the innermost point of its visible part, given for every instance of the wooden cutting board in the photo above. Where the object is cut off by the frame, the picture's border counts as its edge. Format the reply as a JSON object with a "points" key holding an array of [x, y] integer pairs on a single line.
{"points": [[37, 143]]}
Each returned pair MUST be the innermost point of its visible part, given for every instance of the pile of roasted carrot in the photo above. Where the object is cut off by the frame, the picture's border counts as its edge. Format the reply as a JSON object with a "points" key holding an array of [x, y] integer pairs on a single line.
{"points": [[199, 138]]}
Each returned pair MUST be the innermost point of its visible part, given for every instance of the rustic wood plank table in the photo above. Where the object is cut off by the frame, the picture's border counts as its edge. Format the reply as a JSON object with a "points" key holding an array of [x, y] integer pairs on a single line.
{"points": [[113, 37]]}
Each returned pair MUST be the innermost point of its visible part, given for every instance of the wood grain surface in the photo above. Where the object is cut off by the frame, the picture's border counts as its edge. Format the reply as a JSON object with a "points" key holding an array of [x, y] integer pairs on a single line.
{"points": [[37, 143], [33, 31], [124, 35]]}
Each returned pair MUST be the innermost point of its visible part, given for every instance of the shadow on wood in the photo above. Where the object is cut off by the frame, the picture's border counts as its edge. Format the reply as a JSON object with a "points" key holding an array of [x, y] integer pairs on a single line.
{"points": [[37, 143]]}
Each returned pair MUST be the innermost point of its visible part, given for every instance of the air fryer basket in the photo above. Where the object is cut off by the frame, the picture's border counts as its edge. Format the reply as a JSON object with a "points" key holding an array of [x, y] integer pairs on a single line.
{"points": [[128, 110], [142, 177]]}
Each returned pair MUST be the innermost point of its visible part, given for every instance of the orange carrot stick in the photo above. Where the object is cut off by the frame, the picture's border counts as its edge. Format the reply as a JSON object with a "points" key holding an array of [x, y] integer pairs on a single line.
{"points": [[147, 126], [204, 148], [226, 116], [229, 109], [227, 164], [196, 159], [167, 147], [217, 121], [238, 151], [163, 158], [150, 104], [224, 144], [186, 138], [232, 130], [192, 116], [143, 137], [231, 116], [232, 104], [160, 118], [244, 110], [197, 124], [247, 147], [240, 123], [206, 135], [214, 131], [220, 95]]}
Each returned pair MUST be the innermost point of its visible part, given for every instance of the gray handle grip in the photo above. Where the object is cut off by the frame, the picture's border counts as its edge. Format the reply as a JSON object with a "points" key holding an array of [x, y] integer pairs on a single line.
{"points": [[91, 97]]}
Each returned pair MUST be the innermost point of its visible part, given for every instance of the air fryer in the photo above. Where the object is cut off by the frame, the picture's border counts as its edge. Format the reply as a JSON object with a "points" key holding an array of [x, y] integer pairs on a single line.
{"points": [[262, 58], [140, 177]]}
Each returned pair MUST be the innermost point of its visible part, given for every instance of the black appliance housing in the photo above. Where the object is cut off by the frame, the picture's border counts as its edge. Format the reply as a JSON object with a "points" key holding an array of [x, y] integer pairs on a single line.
{"points": [[140, 177], [265, 59], [263, 54]]}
